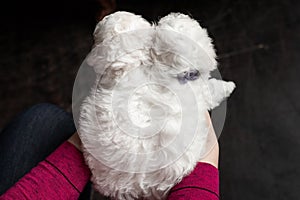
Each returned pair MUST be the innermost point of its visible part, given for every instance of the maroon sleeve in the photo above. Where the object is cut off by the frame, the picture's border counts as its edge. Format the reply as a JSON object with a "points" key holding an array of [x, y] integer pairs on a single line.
{"points": [[62, 175], [202, 183]]}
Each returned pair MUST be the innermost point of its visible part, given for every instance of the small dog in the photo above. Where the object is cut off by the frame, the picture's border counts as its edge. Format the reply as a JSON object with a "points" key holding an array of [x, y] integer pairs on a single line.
{"points": [[143, 125]]}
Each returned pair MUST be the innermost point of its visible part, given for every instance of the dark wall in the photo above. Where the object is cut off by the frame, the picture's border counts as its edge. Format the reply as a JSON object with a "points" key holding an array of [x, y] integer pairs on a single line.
{"points": [[258, 43]]}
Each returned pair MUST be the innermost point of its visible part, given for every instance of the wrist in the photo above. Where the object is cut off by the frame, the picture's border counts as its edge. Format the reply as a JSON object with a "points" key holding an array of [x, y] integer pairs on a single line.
{"points": [[212, 157], [75, 140]]}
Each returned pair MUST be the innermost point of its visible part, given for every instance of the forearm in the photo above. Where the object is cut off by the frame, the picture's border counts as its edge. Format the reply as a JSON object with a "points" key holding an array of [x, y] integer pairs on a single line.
{"points": [[202, 183], [62, 175]]}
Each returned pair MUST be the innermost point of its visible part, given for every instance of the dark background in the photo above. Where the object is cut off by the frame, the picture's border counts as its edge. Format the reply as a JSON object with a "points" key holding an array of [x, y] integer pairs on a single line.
{"points": [[43, 43]]}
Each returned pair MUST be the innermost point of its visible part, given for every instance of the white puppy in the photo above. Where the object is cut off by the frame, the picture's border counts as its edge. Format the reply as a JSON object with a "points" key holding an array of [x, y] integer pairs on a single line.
{"points": [[143, 125]]}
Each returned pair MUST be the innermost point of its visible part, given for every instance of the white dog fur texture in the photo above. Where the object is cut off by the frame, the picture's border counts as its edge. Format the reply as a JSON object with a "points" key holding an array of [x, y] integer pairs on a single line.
{"points": [[137, 64]]}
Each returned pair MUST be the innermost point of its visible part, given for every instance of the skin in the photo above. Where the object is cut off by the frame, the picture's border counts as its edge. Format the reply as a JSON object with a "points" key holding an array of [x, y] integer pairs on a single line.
{"points": [[75, 140], [211, 158]]}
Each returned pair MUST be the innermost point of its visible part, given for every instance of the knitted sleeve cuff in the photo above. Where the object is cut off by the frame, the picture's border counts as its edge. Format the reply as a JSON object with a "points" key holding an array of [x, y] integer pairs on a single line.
{"points": [[202, 181], [69, 161]]}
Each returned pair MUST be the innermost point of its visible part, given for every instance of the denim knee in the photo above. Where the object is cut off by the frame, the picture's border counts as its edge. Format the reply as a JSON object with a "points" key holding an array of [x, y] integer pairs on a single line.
{"points": [[47, 111]]}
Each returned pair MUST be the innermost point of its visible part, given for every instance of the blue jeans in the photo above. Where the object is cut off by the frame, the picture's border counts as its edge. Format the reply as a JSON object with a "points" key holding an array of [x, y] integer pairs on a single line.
{"points": [[29, 138]]}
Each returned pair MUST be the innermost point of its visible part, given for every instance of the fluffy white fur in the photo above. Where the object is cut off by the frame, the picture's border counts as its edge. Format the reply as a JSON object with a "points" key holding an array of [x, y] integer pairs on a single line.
{"points": [[124, 166]]}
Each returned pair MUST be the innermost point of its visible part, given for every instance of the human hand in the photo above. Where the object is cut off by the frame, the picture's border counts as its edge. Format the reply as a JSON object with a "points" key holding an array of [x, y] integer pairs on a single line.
{"points": [[75, 140], [213, 156]]}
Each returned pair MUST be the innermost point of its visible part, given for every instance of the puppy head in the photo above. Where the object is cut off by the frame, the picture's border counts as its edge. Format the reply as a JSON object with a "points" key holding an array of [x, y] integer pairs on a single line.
{"points": [[185, 47], [183, 44]]}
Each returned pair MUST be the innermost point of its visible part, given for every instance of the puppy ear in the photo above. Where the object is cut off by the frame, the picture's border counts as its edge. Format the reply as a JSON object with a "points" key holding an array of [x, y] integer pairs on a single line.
{"points": [[215, 91], [190, 42], [117, 23], [122, 40]]}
